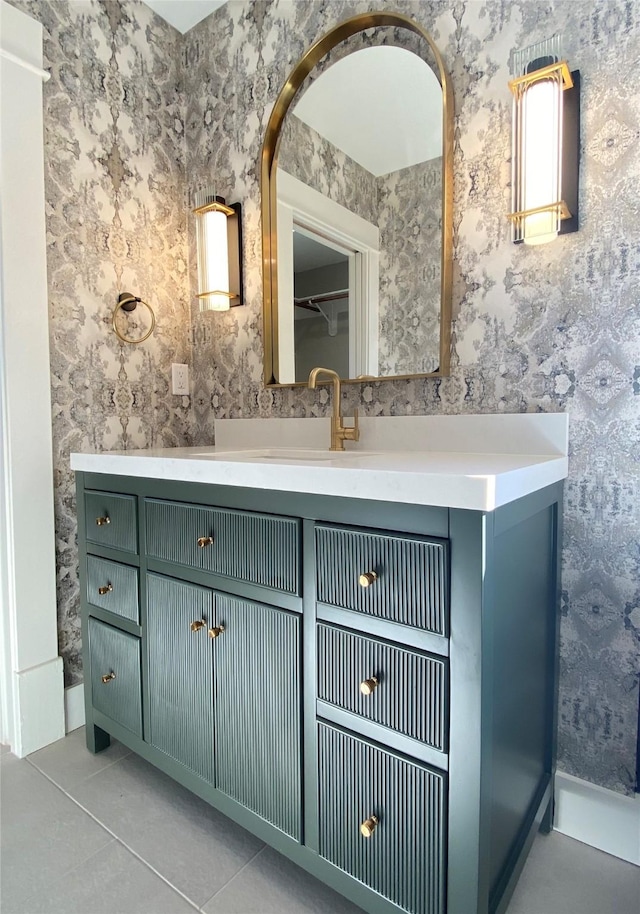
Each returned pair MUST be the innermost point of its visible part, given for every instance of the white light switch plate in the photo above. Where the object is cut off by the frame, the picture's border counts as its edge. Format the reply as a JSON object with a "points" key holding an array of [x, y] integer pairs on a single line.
{"points": [[180, 379]]}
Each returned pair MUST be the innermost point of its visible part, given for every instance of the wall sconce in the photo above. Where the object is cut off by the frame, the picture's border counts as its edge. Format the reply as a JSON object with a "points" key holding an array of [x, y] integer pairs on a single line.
{"points": [[546, 143], [219, 247]]}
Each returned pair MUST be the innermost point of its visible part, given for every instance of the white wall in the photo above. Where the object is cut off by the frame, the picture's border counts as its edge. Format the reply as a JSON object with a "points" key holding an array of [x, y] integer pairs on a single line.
{"points": [[33, 692]]}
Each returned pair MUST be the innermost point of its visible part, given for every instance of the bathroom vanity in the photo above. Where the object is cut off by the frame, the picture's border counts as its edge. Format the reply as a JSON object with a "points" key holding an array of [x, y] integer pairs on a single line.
{"points": [[354, 657]]}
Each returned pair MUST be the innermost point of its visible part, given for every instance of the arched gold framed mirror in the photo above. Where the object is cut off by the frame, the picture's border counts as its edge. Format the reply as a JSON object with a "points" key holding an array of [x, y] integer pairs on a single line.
{"points": [[357, 223]]}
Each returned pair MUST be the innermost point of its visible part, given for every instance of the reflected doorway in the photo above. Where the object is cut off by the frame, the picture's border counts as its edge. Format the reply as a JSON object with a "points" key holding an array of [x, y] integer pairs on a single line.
{"points": [[321, 304]]}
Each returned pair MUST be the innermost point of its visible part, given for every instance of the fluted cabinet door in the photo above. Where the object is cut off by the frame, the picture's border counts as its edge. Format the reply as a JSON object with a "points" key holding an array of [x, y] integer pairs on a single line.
{"points": [[180, 674], [382, 820], [409, 687], [401, 579], [256, 661], [113, 586], [262, 549], [115, 674], [111, 520]]}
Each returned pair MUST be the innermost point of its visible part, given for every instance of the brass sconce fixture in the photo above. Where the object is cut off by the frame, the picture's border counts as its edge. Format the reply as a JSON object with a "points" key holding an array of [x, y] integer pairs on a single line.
{"points": [[128, 302], [219, 248], [546, 143]]}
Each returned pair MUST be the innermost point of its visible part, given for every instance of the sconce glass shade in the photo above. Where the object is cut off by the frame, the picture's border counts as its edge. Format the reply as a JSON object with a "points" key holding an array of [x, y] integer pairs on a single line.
{"points": [[538, 118], [213, 254]]}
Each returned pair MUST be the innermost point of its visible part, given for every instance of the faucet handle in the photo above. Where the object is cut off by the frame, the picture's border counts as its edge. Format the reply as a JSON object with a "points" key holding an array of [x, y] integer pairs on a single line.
{"points": [[352, 433]]}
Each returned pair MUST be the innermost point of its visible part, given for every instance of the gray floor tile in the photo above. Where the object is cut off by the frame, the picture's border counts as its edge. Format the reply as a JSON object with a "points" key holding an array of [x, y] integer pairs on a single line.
{"points": [[111, 882], [563, 876], [43, 833], [194, 847], [68, 760], [56, 859], [271, 884]]}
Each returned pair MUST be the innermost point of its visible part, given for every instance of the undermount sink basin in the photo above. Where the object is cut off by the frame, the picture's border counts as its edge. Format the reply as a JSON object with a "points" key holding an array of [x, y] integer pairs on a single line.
{"points": [[305, 455]]}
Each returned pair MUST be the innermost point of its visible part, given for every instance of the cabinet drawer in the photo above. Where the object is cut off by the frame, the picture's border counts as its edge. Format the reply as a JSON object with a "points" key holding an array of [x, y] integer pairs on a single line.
{"points": [[115, 675], [114, 587], [111, 520], [399, 579], [403, 803], [259, 548], [397, 688]]}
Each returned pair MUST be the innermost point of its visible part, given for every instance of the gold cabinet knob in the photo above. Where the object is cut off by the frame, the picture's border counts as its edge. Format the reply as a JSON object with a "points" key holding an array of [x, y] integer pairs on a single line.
{"points": [[109, 677], [204, 541], [368, 685], [103, 590], [367, 578], [216, 632], [197, 625], [369, 826], [101, 521]]}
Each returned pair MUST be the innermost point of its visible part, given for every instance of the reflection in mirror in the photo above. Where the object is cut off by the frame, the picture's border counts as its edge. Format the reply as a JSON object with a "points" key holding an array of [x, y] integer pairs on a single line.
{"points": [[357, 193], [309, 221], [378, 154], [321, 305]]}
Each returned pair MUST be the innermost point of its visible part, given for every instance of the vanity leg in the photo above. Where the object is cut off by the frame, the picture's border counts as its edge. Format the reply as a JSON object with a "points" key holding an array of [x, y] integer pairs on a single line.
{"points": [[546, 825], [97, 738]]}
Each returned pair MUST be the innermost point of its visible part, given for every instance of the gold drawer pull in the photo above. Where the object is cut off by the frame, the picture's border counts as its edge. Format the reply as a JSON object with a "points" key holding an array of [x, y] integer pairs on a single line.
{"points": [[197, 625], [368, 685], [367, 579], [368, 826], [109, 677], [216, 632], [205, 541], [101, 521], [103, 590]]}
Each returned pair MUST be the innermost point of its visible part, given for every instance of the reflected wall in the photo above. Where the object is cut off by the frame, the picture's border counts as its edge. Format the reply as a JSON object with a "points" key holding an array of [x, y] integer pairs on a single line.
{"points": [[406, 206]]}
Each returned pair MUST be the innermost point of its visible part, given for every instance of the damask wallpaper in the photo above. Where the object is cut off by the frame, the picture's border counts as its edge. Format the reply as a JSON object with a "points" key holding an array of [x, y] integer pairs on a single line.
{"points": [[406, 205], [410, 221], [116, 220], [312, 159], [549, 328], [138, 118]]}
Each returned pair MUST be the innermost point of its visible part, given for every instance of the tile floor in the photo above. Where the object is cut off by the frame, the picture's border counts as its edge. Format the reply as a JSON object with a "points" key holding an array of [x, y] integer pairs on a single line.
{"points": [[109, 833]]}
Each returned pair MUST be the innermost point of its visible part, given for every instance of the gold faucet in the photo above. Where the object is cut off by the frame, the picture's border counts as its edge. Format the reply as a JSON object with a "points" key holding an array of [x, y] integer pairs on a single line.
{"points": [[339, 434]]}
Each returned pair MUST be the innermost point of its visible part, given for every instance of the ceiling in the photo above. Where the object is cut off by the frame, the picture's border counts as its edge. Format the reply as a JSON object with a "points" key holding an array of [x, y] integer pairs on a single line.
{"points": [[382, 106], [184, 14]]}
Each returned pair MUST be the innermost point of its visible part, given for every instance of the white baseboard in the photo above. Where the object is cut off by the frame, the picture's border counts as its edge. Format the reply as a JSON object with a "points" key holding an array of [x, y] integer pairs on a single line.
{"points": [[74, 707], [38, 693], [599, 817]]}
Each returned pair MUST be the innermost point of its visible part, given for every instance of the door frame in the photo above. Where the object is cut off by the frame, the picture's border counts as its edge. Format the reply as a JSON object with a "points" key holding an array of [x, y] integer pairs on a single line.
{"points": [[32, 705], [299, 204]]}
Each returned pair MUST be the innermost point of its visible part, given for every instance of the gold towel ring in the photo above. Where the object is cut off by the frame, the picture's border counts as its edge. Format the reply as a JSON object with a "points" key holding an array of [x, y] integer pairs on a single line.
{"points": [[128, 302]]}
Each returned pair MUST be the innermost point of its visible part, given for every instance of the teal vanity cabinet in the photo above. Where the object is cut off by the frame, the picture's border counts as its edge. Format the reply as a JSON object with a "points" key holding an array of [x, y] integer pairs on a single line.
{"points": [[369, 687], [180, 703]]}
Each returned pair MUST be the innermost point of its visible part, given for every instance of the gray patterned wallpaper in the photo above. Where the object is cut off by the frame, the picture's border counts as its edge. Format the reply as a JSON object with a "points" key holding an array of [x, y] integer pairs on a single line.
{"points": [[406, 205], [312, 159], [410, 208], [116, 220], [552, 328]]}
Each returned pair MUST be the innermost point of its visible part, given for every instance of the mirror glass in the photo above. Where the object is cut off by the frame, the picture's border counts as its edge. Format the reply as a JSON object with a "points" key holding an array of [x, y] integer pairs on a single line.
{"points": [[357, 193]]}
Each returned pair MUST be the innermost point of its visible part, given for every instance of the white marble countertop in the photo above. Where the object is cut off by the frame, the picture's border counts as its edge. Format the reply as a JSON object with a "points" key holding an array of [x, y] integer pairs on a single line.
{"points": [[473, 462]]}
